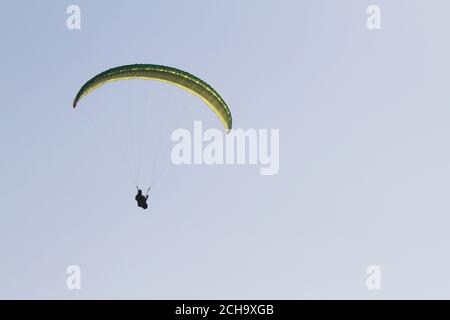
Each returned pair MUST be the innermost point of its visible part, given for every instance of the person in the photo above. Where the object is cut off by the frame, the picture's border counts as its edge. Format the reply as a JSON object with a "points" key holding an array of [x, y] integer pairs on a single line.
{"points": [[141, 199]]}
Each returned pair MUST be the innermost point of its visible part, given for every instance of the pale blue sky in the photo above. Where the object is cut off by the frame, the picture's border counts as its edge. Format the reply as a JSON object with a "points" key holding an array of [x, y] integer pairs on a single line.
{"points": [[364, 160]]}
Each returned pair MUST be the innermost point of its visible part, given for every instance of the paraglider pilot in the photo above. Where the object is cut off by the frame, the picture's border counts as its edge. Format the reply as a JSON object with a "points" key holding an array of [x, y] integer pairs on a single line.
{"points": [[141, 199]]}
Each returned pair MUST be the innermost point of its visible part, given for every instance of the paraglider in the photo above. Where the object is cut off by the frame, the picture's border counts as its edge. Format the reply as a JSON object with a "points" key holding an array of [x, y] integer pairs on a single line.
{"points": [[142, 199], [171, 75]]}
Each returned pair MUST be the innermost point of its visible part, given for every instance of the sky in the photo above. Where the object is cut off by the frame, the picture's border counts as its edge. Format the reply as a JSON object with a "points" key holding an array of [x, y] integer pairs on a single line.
{"points": [[364, 152]]}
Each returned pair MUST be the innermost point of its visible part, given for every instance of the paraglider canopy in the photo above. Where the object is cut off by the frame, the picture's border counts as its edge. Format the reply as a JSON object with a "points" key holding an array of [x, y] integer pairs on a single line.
{"points": [[171, 75]]}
